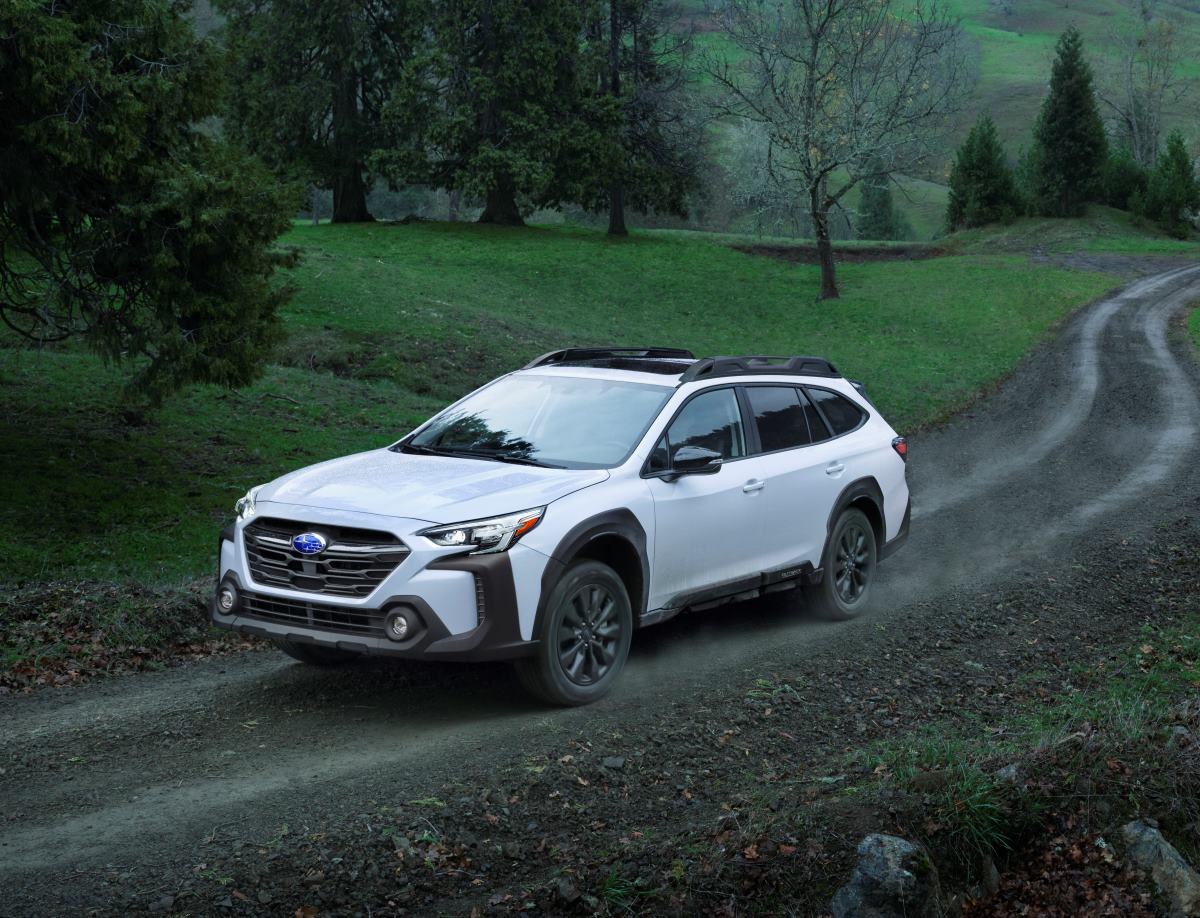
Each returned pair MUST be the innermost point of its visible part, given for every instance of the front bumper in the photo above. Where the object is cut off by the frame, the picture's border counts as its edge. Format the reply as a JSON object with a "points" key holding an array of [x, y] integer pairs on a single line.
{"points": [[360, 629]]}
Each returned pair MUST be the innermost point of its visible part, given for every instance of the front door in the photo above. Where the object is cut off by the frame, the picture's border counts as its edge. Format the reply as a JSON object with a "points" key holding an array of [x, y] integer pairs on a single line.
{"points": [[706, 526]]}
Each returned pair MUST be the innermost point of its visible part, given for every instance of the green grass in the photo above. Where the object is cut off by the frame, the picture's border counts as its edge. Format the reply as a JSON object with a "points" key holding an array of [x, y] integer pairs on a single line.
{"points": [[393, 321], [1194, 325], [1103, 230]]}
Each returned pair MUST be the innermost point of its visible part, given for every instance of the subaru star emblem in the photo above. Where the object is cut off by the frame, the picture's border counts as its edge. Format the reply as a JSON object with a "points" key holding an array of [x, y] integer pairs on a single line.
{"points": [[309, 543]]}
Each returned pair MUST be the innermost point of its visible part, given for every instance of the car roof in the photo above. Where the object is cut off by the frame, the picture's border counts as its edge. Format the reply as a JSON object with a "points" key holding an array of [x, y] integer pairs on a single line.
{"points": [[666, 373]]}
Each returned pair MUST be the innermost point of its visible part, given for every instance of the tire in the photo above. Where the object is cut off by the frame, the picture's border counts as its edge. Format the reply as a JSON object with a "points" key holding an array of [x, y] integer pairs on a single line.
{"points": [[315, 654], [584, 641], [849, 562]]}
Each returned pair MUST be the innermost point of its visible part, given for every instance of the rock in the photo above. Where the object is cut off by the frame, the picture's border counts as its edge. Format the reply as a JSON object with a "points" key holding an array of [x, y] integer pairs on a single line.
{"points": [[615, 762], [1177, 881], [894, 878], [1009, 774], [925, 782], [567, 890], [991, 876]]}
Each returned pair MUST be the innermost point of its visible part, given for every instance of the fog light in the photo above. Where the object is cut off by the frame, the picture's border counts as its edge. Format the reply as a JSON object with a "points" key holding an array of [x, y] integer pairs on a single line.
{"points": [[396, 626], [226, 600]]}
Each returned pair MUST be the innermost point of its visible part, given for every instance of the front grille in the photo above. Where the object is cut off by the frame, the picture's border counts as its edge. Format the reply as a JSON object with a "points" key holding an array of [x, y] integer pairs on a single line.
{"points": [[367, 622], [354, 564]]}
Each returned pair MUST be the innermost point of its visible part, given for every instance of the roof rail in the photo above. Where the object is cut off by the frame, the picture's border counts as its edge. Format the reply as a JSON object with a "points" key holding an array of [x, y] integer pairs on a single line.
{"points": [[599, 353], [758, 365]]}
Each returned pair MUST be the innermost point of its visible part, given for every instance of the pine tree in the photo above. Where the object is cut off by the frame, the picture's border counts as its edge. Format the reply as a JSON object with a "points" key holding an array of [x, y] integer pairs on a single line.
{"points": [[311, 82], [982, 187], [121, 221], [1124, 179], [508, 109], [1069, 135], [1173, 195], [655, 144], [877, 217]]}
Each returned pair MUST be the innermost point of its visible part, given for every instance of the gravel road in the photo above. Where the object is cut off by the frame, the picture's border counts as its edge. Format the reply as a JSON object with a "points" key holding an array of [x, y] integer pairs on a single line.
{"points": [[122, 781]]}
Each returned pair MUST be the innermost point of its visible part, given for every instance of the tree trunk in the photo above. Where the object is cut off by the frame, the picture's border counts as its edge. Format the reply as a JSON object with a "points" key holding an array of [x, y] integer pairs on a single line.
{"points": [[616, 210], [501, 207], [820, 220], [313, 199], [453, 204], [616, 191], [349, 189]]}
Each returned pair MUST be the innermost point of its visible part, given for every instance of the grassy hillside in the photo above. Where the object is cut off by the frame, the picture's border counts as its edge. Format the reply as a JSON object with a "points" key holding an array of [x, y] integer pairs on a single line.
{"points": [[393, 321], [1013, 43], [1103, 230]]}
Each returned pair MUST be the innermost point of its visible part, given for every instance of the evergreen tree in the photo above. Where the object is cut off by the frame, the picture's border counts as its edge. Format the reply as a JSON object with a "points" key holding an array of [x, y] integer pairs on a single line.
{"points": [[655, 142], [982, 187], [509, 96], [1069, 135], [877, 217], [311, 80], [1124, 179], [1173, 196], [120, 221]]}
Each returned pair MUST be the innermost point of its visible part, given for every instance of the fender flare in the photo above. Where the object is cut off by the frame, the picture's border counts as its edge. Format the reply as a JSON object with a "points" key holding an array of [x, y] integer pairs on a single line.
{"points": [[856, 490], [621, 523]]}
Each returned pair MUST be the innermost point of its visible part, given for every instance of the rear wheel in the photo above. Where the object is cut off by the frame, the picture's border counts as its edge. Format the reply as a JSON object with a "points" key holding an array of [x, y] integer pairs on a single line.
{"points": [[849, 565], [316, 654], [584, 640]]}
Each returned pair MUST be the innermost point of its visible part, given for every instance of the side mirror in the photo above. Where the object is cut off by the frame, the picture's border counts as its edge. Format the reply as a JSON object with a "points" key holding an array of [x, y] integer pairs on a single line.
{"points": [[695, 460]]}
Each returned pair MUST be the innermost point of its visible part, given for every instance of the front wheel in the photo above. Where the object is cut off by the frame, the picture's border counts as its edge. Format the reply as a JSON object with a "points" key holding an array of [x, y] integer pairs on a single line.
{"points": [[849, 563], [584, 640], [316, 654]]}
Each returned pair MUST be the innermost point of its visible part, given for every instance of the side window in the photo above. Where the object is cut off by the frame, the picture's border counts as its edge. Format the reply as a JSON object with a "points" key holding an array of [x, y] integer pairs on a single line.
{"points": [[816, 424], [713, 421], [659, 460], [779, 417], [843, 414]]}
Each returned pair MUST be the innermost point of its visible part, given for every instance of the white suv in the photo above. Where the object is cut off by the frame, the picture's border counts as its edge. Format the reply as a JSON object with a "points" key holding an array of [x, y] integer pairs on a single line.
{"points": [[546, 516]]}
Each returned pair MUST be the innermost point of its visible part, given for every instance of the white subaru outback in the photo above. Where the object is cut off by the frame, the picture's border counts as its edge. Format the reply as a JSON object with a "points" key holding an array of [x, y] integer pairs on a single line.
{"points": [[546, 516]]}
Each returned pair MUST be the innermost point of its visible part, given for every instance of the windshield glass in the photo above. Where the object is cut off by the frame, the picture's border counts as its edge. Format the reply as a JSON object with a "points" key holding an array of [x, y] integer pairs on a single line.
{"points": [[562, 421]]}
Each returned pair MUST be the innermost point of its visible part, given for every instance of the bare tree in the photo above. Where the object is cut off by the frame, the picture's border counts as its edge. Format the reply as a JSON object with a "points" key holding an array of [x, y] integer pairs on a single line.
{"points": [[846, 90], [1142, 77]]}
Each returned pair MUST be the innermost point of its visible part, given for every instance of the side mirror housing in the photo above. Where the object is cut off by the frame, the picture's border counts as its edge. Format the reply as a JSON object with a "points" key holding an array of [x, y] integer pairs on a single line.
{"points": [[693, 460]]}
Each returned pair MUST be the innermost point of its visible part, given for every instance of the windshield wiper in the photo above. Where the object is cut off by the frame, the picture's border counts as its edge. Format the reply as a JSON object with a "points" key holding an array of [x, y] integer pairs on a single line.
{"points": [[517, 460], [500, 456]]}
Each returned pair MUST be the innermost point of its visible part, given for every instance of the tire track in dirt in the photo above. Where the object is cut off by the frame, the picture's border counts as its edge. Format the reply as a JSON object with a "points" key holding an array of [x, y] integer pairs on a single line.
{"points": [[313, 742]]}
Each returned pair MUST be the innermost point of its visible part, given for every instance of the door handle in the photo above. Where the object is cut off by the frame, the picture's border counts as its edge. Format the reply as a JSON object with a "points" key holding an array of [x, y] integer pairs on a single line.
{"points": [[834, 468], [751, 486]]}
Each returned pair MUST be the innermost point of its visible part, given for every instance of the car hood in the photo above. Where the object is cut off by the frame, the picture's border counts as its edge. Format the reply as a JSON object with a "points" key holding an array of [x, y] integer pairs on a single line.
{"points": [[437, 489]]}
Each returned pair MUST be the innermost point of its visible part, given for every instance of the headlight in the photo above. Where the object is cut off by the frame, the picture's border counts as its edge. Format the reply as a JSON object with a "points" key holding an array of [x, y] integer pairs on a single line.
{"points": [[245, 505], [499, 533]]}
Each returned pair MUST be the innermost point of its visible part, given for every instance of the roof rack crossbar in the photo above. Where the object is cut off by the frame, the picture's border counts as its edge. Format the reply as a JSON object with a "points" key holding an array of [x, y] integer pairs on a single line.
{"points": [[599, 353], [758, 365]]}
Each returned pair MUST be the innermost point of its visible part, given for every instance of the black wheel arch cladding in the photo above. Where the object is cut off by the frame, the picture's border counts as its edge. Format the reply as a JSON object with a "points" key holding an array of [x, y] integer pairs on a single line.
{"points": [[614, 537], [862, 494]]}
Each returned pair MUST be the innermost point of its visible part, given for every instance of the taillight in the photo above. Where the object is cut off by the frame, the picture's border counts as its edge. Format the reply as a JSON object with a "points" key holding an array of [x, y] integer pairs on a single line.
{"points": [[900, 445]]}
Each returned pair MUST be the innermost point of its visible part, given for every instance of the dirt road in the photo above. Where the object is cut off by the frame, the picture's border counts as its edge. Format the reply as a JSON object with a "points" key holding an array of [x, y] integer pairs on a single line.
{"points": [[1098, 434]]}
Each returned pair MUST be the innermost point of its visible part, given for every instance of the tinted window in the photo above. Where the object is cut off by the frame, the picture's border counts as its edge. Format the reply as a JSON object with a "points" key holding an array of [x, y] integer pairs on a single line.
{"points": [[843, 414], [779, 417], [569, 421], [816, 424], [711, 420]]}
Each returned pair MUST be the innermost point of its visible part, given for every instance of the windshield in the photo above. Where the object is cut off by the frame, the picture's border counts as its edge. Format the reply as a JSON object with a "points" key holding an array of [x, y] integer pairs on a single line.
{"points": [[561, 421]]}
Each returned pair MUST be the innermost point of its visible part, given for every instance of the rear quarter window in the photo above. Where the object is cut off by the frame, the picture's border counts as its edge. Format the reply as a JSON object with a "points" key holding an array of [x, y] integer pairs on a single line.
{"points": [[843, 415]]}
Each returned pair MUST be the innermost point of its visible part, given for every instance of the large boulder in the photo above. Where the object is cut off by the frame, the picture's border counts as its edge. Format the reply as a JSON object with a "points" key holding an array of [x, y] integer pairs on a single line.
{"points": [[894, 878], [1177, 881]]}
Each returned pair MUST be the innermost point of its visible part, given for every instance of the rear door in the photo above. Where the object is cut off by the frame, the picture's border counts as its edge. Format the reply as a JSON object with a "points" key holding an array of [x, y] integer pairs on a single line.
{"points": [[789, 436]]}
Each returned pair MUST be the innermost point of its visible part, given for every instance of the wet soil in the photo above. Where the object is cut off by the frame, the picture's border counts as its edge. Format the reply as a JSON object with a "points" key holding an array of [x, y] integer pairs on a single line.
{"points": [[1050, 522]]}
